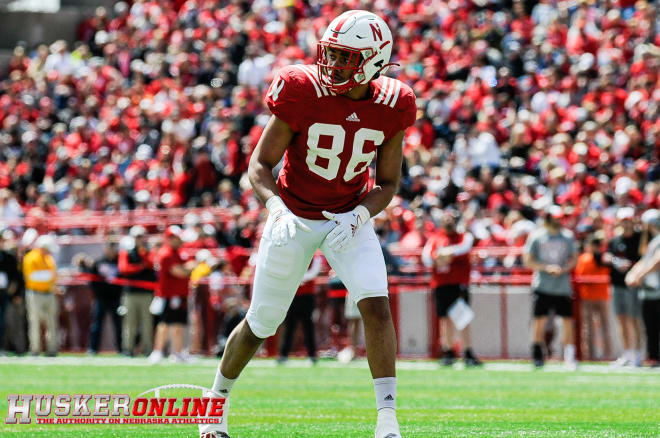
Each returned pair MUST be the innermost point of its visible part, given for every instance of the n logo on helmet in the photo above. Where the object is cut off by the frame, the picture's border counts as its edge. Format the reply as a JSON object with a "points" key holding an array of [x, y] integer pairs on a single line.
{"points": [[378, 34]]}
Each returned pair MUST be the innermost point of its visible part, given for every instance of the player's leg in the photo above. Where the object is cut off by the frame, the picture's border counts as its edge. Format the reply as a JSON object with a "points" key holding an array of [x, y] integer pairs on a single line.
{"points": [[541, 309], [564, 308], [361, 267], [353, 321], [568, 339], [116, 322], [129, 326], [278, 274], [177, 333], [146, 323], [636, 327], [447, 333], [98, 316], [160, 341], [651, 317], [34, 322], [587, 327], [290, 324], [618, 305], [309, 332], [51, 313], [604, 319], [379, 336], [469, 357]]}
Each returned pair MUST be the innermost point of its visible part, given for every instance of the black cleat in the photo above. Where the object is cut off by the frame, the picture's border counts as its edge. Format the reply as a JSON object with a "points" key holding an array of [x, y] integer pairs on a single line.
{"points": [[537, 356], [473, 362], [470, 359], [448, 358]]}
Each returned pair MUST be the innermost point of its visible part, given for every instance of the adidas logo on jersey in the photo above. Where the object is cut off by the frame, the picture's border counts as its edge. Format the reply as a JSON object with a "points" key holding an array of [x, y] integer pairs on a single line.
{"points": [[389, 397], [353, 118]]}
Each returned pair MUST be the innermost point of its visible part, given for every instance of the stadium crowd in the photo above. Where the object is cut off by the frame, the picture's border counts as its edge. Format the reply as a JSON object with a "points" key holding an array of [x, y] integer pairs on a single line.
{"points": [[522, 105]]}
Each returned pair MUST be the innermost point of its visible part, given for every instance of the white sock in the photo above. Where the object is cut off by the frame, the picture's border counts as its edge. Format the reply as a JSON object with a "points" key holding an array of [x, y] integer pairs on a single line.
{"points": [[385, 388], [569, 353], [221, 384]]}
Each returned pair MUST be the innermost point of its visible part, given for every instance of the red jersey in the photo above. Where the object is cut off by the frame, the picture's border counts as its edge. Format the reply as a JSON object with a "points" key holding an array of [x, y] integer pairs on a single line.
{"points": [[336, 138], [458, 270], [168, 285]]}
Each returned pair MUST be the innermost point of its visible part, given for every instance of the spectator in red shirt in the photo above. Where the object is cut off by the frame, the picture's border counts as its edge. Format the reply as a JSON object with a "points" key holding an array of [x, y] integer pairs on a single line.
{"points": [[172, 295], [447, 252]]}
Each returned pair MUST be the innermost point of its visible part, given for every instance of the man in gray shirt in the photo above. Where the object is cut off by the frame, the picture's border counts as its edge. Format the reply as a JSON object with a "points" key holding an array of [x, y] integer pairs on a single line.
{"points": [[646, 275], [551, 252]]}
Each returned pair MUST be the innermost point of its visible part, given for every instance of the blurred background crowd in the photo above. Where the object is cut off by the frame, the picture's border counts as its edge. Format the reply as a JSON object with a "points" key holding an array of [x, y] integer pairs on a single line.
{"points": [[521, 105]]}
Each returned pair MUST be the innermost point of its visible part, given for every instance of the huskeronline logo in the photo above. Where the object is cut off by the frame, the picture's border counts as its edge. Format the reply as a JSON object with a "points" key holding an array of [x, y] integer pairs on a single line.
{"points": [[117, 408]]}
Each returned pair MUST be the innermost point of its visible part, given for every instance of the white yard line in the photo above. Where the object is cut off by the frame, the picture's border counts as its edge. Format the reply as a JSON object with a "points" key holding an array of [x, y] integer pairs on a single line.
{"points": [[295, 363]]}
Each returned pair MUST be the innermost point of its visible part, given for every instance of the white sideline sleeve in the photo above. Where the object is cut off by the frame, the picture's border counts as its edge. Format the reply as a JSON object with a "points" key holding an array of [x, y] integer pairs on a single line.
{"points": [[465, 246], [427, 259]]}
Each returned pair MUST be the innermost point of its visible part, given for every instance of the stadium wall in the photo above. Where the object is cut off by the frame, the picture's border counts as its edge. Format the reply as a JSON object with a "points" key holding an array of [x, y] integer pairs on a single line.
{"points": [[38, 27]]}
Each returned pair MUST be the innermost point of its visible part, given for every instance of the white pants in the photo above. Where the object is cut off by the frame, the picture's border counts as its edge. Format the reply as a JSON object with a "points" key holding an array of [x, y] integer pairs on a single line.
{"points": [[280, 269]]}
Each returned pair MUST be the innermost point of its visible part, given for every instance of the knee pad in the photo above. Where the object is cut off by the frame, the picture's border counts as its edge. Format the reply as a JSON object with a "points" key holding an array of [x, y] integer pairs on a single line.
{"points": [[264, 319]]}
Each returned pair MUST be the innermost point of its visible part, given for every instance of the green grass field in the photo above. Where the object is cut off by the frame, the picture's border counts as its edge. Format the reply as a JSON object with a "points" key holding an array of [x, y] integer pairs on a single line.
{"points": [[330, 400]]}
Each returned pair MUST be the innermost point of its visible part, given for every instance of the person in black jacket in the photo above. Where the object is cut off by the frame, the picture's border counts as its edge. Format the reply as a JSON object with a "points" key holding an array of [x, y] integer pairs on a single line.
{"points": [[9, 289], [106, 295]]}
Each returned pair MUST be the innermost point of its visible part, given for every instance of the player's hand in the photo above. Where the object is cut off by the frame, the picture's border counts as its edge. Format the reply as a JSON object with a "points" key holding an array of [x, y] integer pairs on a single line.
{"points": [[347, 226], [285, 223]]}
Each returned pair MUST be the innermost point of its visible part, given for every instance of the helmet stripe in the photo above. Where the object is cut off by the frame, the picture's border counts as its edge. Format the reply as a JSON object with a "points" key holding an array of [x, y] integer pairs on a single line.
{"points": [[347, 15]]}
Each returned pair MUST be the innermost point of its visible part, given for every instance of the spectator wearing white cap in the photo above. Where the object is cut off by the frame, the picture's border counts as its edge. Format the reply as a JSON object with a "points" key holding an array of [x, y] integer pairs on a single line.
{"points": [[645, 274], [135, 264], [622, 253], [40, 274], [15, 337], [9, 283]]}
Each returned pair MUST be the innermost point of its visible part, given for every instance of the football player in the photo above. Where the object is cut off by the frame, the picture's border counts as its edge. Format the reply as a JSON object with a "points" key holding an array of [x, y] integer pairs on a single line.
{"points": [[329, 122]]}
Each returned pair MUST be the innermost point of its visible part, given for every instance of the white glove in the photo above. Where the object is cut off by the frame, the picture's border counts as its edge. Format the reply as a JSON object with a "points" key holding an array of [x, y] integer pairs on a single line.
{"points": [[347, 227], [285, 223]]}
